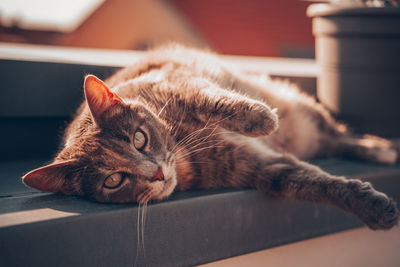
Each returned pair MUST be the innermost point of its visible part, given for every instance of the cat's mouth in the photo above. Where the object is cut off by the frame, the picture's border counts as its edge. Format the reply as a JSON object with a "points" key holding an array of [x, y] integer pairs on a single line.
{"points": [[167, 175], [161, 185]]}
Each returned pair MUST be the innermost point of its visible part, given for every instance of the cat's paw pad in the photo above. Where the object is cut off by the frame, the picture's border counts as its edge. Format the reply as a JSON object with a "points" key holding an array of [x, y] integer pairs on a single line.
{"points": [[386, 214], [259, 120], [374, 208]]}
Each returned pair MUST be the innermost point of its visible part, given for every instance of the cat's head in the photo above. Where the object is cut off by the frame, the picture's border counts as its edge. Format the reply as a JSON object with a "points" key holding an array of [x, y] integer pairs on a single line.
{"points": [[118, 151]]}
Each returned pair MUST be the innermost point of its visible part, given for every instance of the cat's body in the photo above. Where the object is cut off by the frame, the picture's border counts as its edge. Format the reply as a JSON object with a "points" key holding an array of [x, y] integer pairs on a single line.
{"points": [[180, 119]]}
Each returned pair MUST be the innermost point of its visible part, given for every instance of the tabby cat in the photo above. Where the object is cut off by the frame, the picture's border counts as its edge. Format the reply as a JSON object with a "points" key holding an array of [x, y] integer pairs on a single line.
{"points": [[180, 119]]}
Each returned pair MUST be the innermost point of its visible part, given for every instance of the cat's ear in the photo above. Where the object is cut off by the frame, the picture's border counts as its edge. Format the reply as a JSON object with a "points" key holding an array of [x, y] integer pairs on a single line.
{"points": [[51, 178], [98, 96]]}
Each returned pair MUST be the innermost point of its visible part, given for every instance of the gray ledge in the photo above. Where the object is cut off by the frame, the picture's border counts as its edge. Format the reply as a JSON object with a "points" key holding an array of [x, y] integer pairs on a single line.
{"points": [[194, 227]]}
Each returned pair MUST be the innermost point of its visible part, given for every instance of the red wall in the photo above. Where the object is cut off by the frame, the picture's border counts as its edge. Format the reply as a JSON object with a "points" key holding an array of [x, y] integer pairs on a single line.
{"points": [[251, 27]]}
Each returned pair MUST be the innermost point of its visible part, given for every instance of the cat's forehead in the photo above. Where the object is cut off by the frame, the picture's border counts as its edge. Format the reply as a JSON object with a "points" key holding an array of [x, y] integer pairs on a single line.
{"points": [[141, 114], [139, 111], [127, 117]]}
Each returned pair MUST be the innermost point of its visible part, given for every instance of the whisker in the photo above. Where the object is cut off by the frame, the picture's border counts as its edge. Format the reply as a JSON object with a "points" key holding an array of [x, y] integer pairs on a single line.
{"points": [[197, 150], [206, 127], [162, 109], [202, 143], [183, 140], [194, 162], [144, 208], [198, 131], [138, 235], [180, 122], [202, 140], [177, 127], [189, 142]]}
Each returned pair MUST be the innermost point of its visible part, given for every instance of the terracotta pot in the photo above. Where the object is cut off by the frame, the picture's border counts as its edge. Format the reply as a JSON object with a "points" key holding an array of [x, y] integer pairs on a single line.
{"points": [[358, 51]]}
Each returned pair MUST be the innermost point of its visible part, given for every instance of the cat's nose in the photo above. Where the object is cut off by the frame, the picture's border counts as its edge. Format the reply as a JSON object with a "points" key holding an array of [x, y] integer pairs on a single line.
{"points": [[158, 175]]}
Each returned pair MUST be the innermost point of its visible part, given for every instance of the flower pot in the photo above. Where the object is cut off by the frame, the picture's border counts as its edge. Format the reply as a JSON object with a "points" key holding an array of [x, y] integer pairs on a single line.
{"points": [[358, 52]]}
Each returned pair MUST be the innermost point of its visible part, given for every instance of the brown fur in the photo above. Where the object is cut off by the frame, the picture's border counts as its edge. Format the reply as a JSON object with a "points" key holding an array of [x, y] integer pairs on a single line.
{"points": [[208, 126]]}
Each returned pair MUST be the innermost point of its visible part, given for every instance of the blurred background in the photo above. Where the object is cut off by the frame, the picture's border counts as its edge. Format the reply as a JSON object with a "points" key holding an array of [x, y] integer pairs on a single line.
{"points": [[38, 112], [241, 27]]}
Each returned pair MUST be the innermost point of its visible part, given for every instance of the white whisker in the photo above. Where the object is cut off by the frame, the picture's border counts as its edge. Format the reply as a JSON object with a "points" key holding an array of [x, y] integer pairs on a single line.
{"points": [[162, 109], [203, 143], [192, 139], [198, 150], [203, 140], [138, 235], [198, 131], [193, 162], [192, 134], [144, 208]]}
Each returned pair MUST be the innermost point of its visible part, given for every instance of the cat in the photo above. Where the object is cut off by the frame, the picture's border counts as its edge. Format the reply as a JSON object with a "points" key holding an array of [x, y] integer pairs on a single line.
{"points": [[181, 119]]}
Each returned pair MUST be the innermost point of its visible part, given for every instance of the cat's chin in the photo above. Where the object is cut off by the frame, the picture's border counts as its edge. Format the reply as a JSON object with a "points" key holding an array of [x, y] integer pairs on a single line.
{"points": [[168, 188], [158, 190]]}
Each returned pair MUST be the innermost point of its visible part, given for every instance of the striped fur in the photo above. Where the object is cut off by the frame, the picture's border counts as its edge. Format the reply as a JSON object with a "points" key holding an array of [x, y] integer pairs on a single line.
{"points": [[208, 126]]}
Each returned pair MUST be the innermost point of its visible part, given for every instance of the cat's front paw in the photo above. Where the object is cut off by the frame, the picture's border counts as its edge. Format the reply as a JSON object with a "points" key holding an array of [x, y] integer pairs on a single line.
{"points": [[382, 213], [261, 120], [374, 208], [256, 119]]}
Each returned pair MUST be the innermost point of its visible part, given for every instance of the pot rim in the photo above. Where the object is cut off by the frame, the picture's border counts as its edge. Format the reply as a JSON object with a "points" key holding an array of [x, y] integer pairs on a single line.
{"points": [[324, 10]]}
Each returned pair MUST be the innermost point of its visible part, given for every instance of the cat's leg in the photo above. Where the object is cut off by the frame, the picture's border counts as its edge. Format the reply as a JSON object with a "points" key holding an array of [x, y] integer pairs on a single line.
{"points": [[287, 177], [336, 140], [367, 147], [239, 114], [213, 105]]}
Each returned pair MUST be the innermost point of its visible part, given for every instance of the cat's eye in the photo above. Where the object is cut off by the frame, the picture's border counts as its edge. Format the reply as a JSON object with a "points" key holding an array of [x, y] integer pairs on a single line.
{"points": [[140, 140], [114, 180]]}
